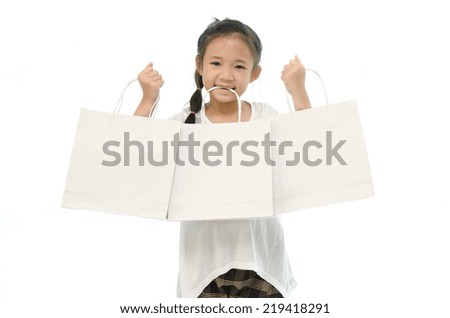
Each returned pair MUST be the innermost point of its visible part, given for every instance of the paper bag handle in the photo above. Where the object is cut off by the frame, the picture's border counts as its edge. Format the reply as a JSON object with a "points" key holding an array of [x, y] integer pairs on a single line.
{"points": [[323, 86], [119, 104], [202, 110]]}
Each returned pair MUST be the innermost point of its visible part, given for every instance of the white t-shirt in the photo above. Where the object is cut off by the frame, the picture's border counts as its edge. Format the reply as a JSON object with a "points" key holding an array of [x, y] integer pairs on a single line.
{"points": [[211, 248]]}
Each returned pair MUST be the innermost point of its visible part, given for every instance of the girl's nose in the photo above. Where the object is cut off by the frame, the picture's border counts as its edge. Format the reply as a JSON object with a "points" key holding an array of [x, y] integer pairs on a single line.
{"points": [[227, 74]]}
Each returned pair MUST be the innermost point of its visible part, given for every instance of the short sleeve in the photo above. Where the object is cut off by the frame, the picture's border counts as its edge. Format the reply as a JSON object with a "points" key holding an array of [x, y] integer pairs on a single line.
{"points": [[263, 110]]}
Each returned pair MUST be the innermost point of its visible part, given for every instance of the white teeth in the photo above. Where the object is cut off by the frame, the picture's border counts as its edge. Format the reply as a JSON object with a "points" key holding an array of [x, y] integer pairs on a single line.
{"points": [[227, 88]]}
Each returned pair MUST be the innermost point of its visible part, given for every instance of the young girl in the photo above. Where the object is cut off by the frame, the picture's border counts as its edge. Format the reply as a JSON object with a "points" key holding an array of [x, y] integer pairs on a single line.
{"points": [[242, 258]]}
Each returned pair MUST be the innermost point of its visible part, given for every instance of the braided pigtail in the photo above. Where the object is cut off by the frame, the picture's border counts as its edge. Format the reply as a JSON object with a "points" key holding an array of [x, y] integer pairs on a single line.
{"points": [[196, 99]]}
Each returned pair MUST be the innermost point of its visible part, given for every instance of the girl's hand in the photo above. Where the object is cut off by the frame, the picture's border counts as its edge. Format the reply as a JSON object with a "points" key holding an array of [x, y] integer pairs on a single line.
{"points": [[293, 76], [151, 82]]}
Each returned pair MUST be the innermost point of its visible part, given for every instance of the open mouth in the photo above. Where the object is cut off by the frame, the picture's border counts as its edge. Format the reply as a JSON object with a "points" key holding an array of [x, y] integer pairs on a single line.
{"points": [[226, 88]]}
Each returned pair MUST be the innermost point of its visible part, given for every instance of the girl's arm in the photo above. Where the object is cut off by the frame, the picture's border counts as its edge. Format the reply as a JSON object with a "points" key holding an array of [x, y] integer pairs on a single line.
{"points": [[293, 76], [151, 82]]}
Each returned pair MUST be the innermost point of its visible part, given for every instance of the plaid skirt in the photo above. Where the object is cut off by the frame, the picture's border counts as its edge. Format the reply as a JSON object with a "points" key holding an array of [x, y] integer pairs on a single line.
{"points": [[238, 283]]}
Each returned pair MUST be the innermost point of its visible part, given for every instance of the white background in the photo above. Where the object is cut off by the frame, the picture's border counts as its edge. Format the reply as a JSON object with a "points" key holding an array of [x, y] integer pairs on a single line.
{"points": [[382, 257]]}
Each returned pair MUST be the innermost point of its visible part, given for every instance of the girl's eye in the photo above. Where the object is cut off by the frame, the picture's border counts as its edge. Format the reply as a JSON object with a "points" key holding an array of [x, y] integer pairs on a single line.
{"points": [[241, 67], [215, 63]]}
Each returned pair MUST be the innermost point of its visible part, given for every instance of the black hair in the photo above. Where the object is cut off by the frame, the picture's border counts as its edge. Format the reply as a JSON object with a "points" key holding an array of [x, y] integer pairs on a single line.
{"points": [[216, 29]]}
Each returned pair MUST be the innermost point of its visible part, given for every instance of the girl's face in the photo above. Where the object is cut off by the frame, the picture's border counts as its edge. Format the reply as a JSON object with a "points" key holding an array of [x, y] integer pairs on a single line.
{"points": [[228, 62]]}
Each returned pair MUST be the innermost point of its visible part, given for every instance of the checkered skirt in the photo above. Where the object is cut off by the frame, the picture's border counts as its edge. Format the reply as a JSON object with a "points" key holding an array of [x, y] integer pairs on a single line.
{"points": [[238, 283]]}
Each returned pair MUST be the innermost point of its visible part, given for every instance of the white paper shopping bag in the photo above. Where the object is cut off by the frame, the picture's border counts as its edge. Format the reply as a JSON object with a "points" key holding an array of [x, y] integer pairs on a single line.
{"points": [[220, 177], [121, 164], [321, 158]]}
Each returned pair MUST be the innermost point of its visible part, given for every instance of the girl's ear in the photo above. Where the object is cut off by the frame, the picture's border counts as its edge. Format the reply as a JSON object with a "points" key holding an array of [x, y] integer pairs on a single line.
{"points": [[198, 65], [255, 73]]}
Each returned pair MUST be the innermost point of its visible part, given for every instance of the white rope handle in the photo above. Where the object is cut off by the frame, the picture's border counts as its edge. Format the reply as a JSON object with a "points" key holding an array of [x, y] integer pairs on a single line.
{"points": [[202, 111], [120, 101], [323, 86]]}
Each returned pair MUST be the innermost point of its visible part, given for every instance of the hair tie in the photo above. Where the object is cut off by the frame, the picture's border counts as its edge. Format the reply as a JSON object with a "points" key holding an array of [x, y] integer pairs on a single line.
{"points": [[199, 89]]}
